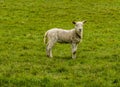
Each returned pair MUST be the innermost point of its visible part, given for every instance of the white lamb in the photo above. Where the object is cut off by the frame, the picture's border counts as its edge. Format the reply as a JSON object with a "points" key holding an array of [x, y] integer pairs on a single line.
{"points": [[73, 37]]}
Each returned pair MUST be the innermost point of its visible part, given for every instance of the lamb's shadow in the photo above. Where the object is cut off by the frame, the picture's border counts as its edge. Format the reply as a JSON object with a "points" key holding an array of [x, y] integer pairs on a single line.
{"points": [[63, 57], [58, 57]]}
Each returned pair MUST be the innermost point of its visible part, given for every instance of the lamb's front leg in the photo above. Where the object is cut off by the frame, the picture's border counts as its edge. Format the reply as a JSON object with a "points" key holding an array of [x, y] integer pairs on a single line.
{"points": [[74, 49]]}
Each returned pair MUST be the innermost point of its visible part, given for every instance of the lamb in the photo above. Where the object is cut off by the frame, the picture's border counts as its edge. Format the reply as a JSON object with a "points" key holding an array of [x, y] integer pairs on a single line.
{"points": [[73, 37]]}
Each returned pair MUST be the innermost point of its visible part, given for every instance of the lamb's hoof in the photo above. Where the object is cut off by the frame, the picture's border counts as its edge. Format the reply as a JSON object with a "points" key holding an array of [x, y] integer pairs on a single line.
{"points": [[49, 56], [74, 58]]}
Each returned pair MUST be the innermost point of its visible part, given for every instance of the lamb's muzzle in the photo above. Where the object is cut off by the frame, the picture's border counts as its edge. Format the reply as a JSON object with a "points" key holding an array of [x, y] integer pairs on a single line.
{"points": [[73, 37]]}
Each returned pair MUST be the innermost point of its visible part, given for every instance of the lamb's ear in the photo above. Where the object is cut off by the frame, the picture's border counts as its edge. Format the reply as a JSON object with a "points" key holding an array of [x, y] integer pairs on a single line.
{"points": [[74, 22], [84, 21]]}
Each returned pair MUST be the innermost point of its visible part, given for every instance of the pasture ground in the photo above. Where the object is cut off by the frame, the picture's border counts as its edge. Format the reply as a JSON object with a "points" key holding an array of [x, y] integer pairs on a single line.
{"points": [[23, 62]]}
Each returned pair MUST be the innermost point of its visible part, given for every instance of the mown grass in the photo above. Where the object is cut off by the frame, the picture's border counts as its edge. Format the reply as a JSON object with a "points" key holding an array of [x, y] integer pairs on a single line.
{"points": [[23, 62]]}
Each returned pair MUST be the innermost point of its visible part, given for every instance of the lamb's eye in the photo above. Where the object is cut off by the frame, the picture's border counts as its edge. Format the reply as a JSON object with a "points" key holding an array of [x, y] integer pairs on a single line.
{"points": [[77, 25]]}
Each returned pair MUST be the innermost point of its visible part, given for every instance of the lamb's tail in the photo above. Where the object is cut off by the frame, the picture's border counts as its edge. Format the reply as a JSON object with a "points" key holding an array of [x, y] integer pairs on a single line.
{"points": [[45, 38]]}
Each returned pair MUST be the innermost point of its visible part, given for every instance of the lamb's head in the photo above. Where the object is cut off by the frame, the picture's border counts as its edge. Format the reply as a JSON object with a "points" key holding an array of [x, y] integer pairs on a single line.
{"points": [[79, 26]]}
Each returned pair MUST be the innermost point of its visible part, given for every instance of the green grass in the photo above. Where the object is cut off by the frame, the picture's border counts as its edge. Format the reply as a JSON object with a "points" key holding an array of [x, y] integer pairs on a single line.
{"points": [[23, 62]]}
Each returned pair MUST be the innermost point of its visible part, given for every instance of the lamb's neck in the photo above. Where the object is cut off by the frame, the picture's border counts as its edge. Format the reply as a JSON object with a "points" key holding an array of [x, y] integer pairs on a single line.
{"points": [[78, 34]]}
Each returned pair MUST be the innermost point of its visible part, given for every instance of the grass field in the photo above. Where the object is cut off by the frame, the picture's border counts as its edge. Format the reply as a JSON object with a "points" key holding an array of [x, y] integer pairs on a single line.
{"points": [[23, 62]]}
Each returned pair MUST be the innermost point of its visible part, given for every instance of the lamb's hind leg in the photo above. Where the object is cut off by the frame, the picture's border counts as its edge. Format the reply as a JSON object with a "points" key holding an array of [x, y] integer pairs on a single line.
{"points": [[74, 49], [49, 48]]}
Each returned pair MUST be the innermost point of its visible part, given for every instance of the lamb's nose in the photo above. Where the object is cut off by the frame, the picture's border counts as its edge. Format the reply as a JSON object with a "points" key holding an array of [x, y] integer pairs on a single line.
{"points": [[79, 30]]}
